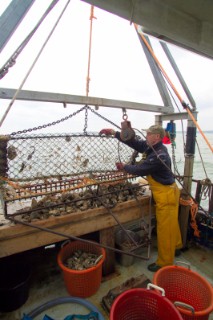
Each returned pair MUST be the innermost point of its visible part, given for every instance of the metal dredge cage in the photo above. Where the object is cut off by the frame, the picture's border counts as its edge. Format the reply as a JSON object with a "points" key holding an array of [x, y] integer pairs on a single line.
{"points": [[46, 174], [38, 157]]}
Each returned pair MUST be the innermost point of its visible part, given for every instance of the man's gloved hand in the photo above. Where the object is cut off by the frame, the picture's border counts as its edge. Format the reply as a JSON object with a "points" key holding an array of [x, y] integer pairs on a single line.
{"points": [[119, 165], [107, 132]]}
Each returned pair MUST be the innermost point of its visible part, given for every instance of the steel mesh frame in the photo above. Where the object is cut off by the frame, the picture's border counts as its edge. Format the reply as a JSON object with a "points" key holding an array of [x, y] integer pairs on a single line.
{"points": [[43, 165], [33, 157]]}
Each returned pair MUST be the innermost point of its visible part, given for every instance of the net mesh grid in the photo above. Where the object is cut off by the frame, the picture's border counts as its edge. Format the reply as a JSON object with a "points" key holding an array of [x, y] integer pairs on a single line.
{"points": [[40, 165], [47, 156]]}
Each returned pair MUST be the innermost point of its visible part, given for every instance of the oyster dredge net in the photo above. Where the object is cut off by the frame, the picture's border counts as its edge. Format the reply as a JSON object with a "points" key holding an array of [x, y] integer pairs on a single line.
{"points": [[51, 174]]}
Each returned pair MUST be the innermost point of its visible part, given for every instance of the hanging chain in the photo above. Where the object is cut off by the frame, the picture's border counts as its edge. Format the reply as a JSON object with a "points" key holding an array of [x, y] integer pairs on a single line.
{"points": [[86, 108], [86, 120], [49, 124]]}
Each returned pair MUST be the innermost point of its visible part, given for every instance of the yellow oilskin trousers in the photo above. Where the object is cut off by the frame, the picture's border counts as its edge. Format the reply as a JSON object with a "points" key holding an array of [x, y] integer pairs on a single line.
{"points": [[168, 232]]}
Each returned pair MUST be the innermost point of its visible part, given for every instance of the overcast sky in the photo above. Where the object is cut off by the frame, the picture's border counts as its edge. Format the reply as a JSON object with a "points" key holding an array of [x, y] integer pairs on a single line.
{"points": [[119, 70]]}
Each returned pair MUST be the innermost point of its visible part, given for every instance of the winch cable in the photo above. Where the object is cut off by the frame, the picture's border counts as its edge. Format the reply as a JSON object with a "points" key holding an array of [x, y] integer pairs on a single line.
{"points": [[63, 235], [33, 64], [12, 60], [183, 103]]}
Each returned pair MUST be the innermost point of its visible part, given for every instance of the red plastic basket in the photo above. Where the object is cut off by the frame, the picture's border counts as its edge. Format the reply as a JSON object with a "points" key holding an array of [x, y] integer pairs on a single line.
{"points": [[83, 283], [188, 287], [143, 304]]}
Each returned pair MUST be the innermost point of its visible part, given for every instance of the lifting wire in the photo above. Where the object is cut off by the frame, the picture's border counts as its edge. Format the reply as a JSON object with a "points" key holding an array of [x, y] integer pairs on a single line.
{"points": [[33, 64], [184, 104]]}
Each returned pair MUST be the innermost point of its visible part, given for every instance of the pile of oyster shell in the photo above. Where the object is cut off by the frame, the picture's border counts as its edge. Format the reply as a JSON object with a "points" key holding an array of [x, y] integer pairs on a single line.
{"points": [[81, 260], [69, 202]]}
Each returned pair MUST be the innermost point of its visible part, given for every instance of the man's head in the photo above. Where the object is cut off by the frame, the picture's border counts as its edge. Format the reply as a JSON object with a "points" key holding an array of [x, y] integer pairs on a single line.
{"points": [[154, 134]]}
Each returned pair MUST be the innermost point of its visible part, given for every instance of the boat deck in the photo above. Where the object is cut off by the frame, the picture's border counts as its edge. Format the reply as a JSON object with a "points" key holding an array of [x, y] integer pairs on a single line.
{"points": [[47, 282]]}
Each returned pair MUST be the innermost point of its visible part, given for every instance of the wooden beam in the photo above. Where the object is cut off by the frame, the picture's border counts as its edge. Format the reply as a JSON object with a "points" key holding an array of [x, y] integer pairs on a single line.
{"points": [[81, 100]]}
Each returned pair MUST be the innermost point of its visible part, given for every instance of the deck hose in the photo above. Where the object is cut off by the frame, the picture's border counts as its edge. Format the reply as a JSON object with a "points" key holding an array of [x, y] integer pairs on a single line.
{"points": [[31, 315]]}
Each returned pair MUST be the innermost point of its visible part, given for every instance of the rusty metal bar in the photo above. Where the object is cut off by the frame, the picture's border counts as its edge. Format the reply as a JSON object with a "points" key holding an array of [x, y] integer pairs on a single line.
{"points": [[63, 235]]}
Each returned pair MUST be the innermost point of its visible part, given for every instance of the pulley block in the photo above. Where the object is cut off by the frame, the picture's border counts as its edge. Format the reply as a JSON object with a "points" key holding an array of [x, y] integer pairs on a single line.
{"points": [[127, 133]]}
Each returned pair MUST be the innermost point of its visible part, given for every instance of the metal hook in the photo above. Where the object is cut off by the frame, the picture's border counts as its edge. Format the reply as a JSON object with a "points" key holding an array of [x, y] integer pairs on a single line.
{"points": [[125, 116]]}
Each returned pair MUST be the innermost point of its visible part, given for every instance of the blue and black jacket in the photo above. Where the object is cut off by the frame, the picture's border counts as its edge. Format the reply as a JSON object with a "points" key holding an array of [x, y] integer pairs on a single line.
{"points": [[157, 163]]}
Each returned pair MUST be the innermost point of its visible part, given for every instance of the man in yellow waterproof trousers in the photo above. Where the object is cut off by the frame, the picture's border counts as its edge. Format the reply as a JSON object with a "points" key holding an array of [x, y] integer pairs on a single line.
{"points": [[157, 169]]}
